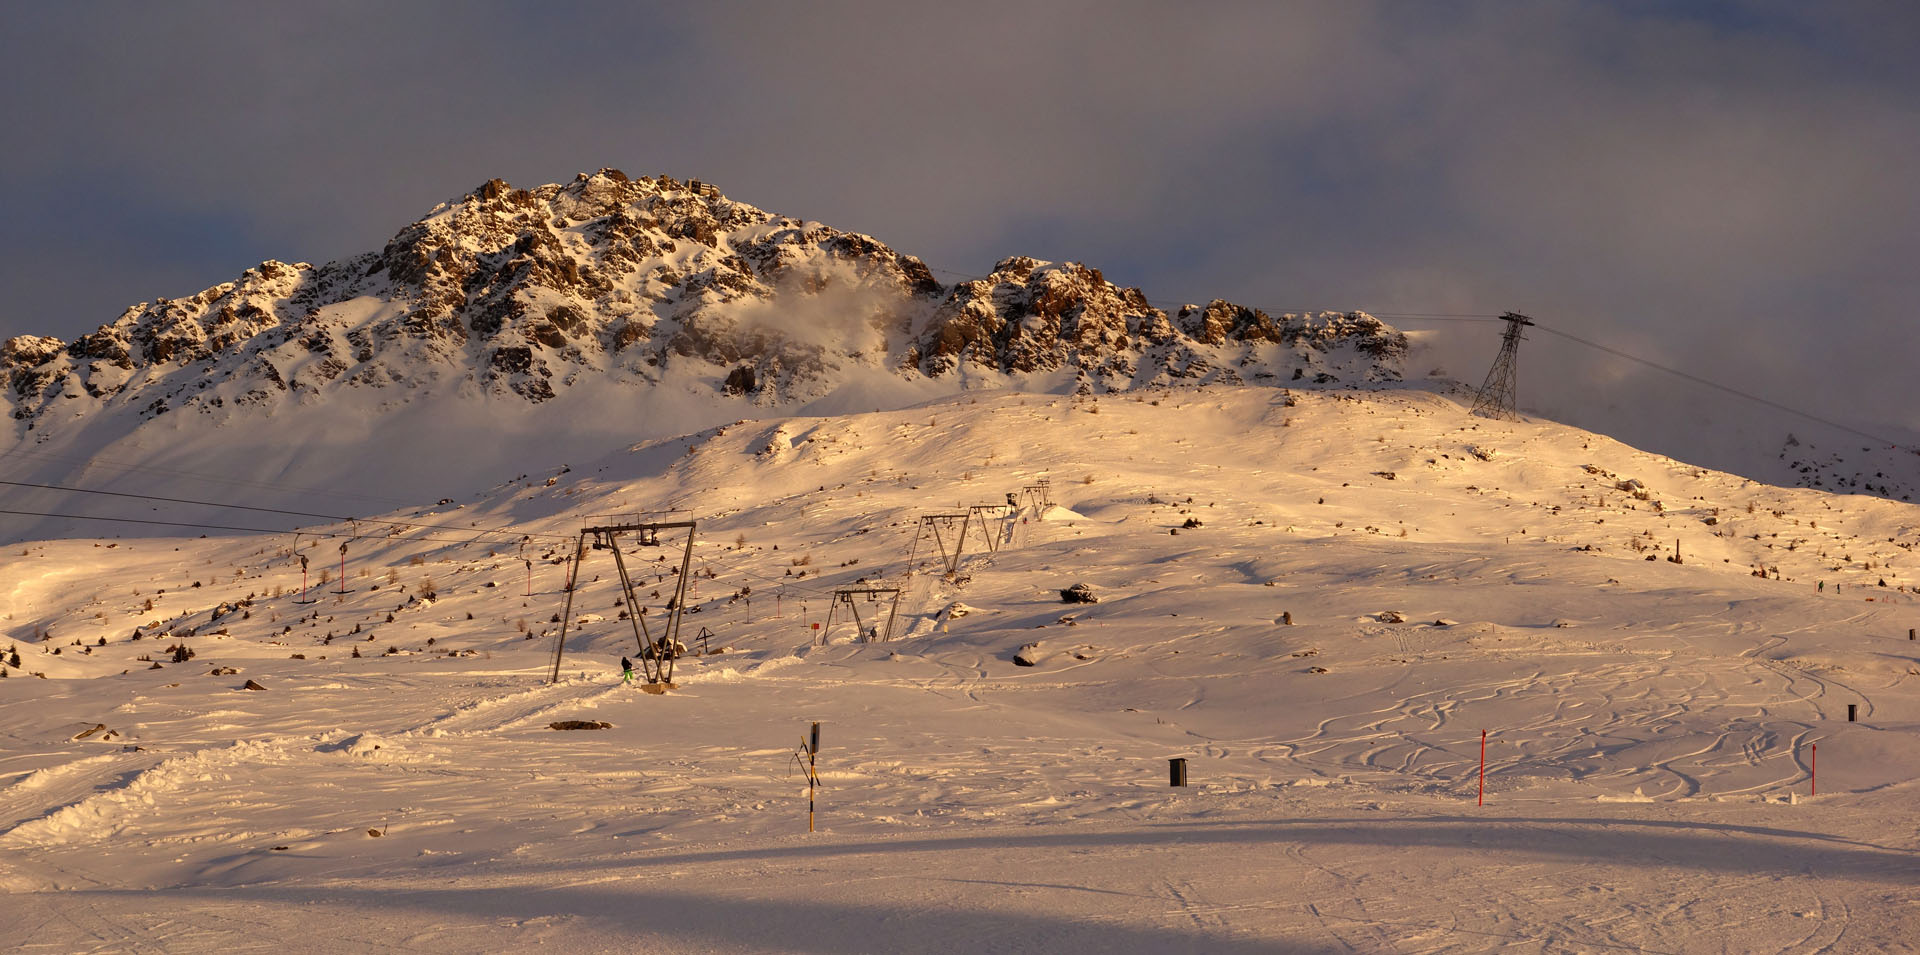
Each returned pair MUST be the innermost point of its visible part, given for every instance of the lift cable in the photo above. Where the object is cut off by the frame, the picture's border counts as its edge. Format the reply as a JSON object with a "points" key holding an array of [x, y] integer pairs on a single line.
{"points": [[276, 510]]}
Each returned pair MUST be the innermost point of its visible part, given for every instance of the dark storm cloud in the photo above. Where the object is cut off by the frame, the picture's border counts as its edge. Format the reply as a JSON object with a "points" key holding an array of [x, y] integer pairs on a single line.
{"points": [[1723, 187]]}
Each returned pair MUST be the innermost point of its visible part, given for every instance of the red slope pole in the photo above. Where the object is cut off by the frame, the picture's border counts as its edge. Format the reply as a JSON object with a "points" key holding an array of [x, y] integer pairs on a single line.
{"points": [[1483, 768], [1813, 772]]}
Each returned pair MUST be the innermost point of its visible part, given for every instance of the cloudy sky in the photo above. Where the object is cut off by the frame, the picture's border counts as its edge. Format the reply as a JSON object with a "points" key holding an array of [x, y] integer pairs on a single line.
{"points": [[1727, 188]]}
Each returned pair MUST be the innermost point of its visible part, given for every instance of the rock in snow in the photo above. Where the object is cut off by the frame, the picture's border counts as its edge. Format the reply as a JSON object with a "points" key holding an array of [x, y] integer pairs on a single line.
{"points": [[1079, 594]]}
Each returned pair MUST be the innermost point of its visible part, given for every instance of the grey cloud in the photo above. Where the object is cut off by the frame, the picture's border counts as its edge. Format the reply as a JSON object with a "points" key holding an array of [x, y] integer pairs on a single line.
{"points": [[1722, 187]]}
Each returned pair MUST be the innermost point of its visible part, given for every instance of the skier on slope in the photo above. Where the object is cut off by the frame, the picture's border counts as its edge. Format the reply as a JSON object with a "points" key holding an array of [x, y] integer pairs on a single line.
{"points": [[626, 670]]}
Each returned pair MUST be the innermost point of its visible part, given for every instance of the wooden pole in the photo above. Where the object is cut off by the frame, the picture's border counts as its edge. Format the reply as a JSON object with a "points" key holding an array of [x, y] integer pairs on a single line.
{"points": [[1483, 769]]}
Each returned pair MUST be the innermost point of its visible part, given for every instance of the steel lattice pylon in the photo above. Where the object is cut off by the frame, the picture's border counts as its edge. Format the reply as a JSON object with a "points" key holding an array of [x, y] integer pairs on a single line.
{"points": [[1497, 394]]}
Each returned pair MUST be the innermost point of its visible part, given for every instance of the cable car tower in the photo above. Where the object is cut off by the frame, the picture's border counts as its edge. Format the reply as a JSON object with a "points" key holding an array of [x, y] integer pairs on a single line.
{"points": [[1497, 394]]}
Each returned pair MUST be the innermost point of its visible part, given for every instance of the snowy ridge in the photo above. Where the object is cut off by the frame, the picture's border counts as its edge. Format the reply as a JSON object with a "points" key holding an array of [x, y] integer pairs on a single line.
{"points": [[548, 323], [510, 291]]}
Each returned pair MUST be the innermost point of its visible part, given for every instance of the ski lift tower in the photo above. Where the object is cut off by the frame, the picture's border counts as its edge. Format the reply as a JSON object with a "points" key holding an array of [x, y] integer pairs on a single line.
{"points": [[1497, 394], [843, 597], [656, 654]]}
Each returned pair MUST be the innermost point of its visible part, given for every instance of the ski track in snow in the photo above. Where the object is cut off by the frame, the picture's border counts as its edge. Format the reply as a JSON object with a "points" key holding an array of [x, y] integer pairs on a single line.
{"points": [[1650, 726]]}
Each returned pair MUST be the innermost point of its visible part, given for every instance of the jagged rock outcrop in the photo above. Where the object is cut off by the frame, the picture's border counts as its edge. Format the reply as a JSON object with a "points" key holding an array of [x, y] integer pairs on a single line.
{"points": [[1031, 316], [520, 293]]}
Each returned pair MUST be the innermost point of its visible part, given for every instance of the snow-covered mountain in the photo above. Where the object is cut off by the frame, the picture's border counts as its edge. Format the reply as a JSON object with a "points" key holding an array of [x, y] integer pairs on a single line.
{"points": [[528, 292], [512, 330], [544, 324], [1337, 604], [1414, 657]]}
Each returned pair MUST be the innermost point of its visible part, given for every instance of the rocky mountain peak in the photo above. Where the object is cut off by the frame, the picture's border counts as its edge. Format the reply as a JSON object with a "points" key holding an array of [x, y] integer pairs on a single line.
{"points": [[518, 293]]}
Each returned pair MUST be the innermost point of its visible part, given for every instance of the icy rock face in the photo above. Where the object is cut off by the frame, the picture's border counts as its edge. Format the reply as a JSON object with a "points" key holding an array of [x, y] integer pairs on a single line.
{"points": [[1032, 316], [517, 293]]}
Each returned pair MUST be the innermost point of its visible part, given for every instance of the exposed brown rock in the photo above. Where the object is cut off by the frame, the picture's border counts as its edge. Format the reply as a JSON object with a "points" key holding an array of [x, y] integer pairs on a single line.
{"points": [[523, 291]]}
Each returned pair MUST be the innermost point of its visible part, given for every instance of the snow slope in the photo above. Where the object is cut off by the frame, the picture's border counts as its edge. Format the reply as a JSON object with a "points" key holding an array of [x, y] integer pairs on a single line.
{"points": [[1651, 725], [561, 320]]}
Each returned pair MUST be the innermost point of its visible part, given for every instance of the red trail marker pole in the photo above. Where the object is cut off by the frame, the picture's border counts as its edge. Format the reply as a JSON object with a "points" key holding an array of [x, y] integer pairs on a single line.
{"points": [[1813, 772], [1483, 769]]}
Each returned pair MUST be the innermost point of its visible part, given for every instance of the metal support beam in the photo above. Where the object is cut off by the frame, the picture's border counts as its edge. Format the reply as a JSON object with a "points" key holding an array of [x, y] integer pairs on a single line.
{"points": [[932, 523], [1039, 494], [1498, 394], [658, 669], [566, 616], [980, 511], [845, 595]]}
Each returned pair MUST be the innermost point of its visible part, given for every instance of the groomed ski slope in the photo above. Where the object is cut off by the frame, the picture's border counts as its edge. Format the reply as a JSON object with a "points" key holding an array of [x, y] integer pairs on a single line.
{"points": [[1650, 725]]}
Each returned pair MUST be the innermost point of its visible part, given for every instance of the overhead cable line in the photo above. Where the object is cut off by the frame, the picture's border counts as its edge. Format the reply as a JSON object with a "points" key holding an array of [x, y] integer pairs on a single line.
{"points": [[1419, 316], [479, 531], [215, 527], [1169, 305], [1696, 379], [209, 478]]}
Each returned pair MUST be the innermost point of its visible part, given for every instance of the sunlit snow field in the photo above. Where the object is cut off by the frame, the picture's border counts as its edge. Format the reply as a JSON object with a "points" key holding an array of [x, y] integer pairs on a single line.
{"points": [[1650, 725]]}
